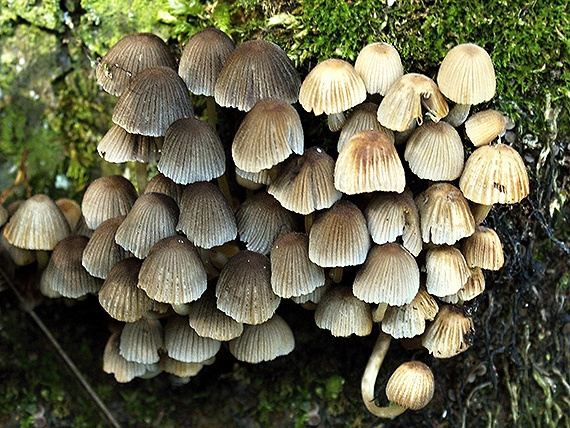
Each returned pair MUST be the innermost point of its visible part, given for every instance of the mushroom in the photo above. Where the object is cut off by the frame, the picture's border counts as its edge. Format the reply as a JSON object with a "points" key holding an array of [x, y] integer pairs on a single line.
{"points": [[449, 334], [128, 57], [484, 126], [244, 290], [292, 272], [255, 70], [206, 216], [494, 174], [435, 152], [192, 152], [403, 102], [339, 236], [263, 342], [114, 363], [342, 313], [361, 118], [379, 65], [141, 341], [182, 343], [446, 270], [261, 220], [162, 184], [107, 197], [153, 216], [272, 130], [173, 272], [411, 386], [369, 162], [118, 146], [305, 183], [389, 275], [156, 98], [332, 87], [483, 249]]}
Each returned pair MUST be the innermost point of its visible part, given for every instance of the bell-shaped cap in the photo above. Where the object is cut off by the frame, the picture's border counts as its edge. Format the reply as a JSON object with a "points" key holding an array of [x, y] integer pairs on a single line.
{"points": [[494, 174], [339, 236], [118, 146], [466, 75], [272, 130], [183, 343], [153, 216], [192, 151], [403, 102], [154, 100], [411, 385], [203, 58], [128, 57], [368, 162], [333, 86], [435, 152], [255, 70], [483, 249], [379, 65], [305, 183], [263, 342], [361, 118], [449, 334], [342, 313], [141, 341], [206, 216], [107, 197], [389, 275], [37, 224]]}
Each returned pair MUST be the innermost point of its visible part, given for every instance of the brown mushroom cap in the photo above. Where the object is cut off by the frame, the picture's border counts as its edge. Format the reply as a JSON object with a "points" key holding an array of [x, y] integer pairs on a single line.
{"points": [[37, 224], [107, 197], [333, 86], [255, 70], [483, 249], [435, 152], [153, 216], [305, 183], [141, 341], [484, 126], [71, 211], [411, 385], [342, 313], [192, 151], [128, 57], [263, 342], [65, 274], [118, 146], [369, 162], [261, 219], [389, 275], [410, 320], [292, 273], [449, 334], [446, 270], [155, 99], [403, 102], [173, 272], [466, 75], [102, 252], [183, 343], [362, 117], [208, 321], [390, 215], [244, 290], [444, 214], [114, 363], [272, 130], [379, 65], [120, 296], [162, 184], [203, 58], [339, 236], [206, 216], [495, 174]]}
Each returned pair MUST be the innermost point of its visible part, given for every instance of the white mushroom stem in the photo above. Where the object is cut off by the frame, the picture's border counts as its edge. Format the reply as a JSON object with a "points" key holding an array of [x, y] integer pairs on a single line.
{"points": [[369, 380]]}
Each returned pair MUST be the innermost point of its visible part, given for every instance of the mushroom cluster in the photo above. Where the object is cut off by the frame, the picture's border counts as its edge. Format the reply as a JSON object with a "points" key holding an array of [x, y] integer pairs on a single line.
{"points": [[386, 230]]}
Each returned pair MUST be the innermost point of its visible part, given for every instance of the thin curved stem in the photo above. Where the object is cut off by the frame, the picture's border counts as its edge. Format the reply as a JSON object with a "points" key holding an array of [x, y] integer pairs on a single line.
{"points": [[369, 379]]}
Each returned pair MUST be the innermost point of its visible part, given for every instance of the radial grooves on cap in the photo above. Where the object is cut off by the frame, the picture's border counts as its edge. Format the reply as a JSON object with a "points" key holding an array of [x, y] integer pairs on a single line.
{"points": [[183, 343], [449, 334], [155, 99], [114, 363], [484, 126], [208, 321], [361, 118], [192, 151], [379, 65], [389, 275], [206, 216], [435, 152], [118, 146], [141, 341], [446, 269], [411, 385], [484, 249]]}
